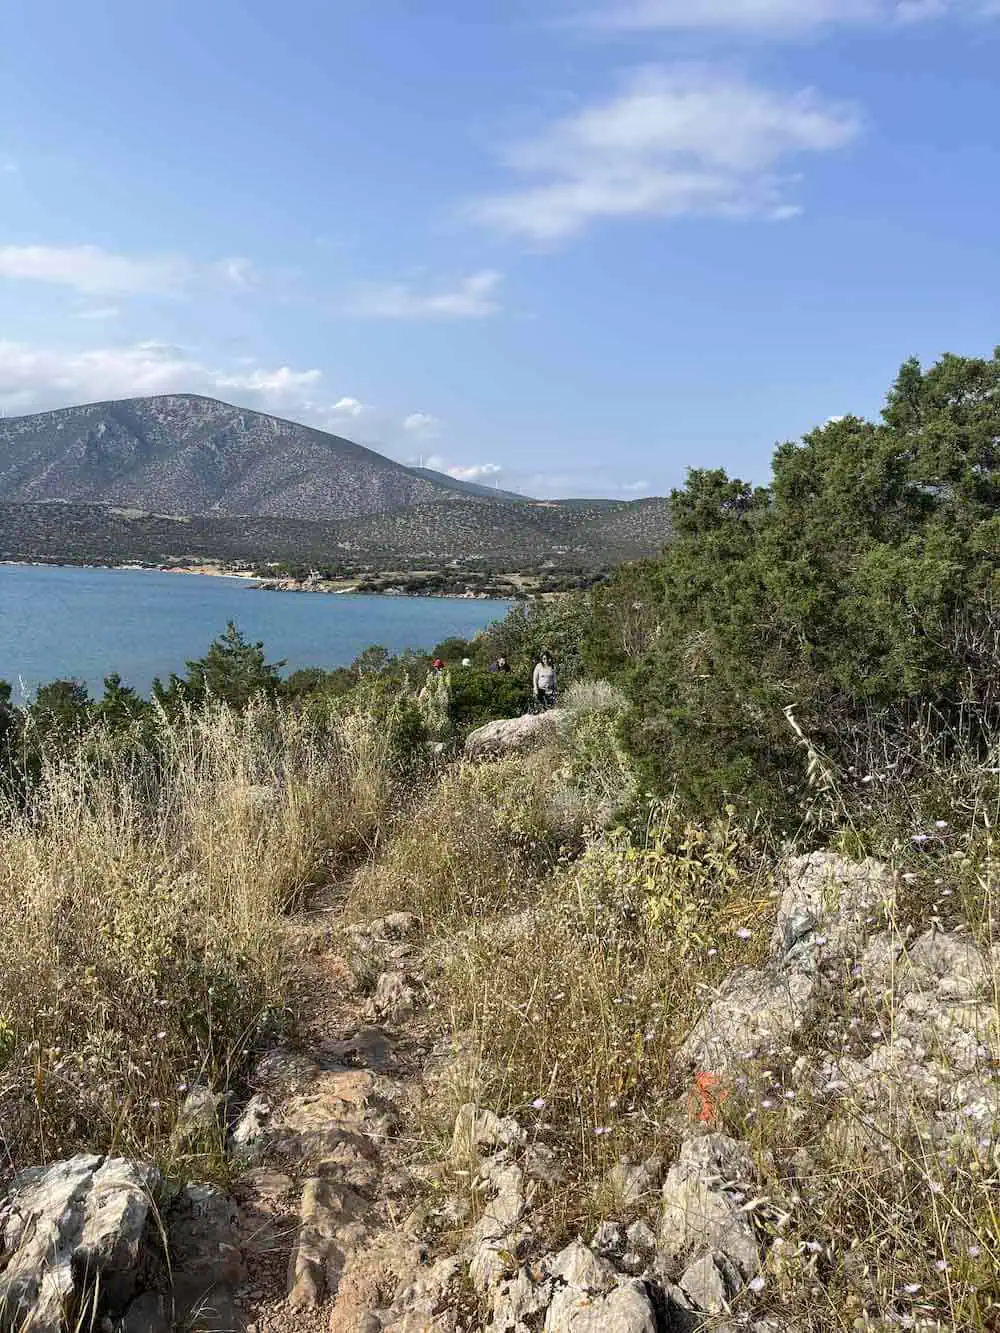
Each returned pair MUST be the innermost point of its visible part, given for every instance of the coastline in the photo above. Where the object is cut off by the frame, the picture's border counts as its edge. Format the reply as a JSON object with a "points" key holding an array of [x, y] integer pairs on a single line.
{"points": [[257, 584]]}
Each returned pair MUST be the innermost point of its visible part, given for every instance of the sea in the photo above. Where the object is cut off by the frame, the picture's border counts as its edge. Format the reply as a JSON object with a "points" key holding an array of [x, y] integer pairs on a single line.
{"points": [[60, 622]]}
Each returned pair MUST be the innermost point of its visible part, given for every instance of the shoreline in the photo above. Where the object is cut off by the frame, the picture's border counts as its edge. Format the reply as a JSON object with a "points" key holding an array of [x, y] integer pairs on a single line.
{"points": [[258, 584], [254, 583]]}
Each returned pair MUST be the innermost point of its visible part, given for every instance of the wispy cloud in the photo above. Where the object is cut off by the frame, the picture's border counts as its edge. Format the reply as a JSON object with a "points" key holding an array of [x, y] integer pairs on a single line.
{"points": [[93, 271], [634, 487], [421, 425], [677, 141], [238, 271], [473, 298], [777, 16]]}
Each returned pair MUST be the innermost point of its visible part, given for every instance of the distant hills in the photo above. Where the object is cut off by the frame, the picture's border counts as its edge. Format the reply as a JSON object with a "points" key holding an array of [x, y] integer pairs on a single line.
{"points": [[182, 477]]}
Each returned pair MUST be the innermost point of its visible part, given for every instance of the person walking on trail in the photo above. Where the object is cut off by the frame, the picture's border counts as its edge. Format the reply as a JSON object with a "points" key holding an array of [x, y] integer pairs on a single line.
{"points": [[543, 682]]}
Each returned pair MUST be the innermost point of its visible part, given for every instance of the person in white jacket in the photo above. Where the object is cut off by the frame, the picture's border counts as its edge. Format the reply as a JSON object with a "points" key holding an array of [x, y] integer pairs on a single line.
{"points": [[543, 682]]}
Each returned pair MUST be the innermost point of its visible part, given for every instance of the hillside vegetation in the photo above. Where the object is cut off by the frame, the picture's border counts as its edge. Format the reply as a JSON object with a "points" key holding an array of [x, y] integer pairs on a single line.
{"points": [[477, 533], [694, 1002]]}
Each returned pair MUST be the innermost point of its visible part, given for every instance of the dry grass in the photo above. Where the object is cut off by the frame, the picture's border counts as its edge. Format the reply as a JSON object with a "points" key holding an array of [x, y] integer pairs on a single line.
{"points": [[142, 892]]}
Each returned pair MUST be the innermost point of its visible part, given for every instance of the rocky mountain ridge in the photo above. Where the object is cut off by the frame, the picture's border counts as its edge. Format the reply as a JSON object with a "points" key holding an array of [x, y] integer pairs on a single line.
{"points": [[182, 454]]}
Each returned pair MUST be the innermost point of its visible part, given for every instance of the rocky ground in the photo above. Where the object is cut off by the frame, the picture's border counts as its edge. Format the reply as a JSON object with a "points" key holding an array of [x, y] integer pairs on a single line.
{"points": [[345, 1215]]}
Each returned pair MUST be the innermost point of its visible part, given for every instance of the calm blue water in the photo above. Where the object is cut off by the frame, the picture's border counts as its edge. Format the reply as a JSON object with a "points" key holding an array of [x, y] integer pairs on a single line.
{"points": [[84, 623]]}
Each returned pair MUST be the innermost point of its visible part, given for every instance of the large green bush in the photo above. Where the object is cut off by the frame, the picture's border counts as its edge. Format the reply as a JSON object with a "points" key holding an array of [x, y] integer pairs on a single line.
{"points": [[864, 580]]}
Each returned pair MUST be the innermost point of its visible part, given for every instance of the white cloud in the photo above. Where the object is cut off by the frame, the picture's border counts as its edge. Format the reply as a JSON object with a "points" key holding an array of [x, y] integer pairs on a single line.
{"points": [[477, 472], [348, 407], [32, 379], [93, 271], [421, 425], [634, 487], [473, 298], [779, 16], [673, 142], [473, 472]]}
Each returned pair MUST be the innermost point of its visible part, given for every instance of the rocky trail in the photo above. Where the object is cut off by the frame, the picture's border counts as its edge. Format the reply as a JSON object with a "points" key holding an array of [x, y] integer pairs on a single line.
{"points": [[327, 1225]]}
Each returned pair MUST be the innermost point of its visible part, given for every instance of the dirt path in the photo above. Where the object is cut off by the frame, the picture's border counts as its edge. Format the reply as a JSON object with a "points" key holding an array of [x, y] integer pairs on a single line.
{"points": [[324, 1179]]}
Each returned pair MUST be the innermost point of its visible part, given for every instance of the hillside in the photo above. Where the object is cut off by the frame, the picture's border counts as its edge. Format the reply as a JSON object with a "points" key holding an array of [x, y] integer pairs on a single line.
{"points": [[497, 535], [502, 534], [183, 454]]}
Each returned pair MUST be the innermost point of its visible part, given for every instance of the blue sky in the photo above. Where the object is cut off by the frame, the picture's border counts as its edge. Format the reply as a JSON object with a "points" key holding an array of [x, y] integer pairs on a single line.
{"points": [[573, 245]]}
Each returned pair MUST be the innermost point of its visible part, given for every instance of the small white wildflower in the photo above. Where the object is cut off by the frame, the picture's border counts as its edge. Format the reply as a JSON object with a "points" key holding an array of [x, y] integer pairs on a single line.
{"points": [[912, 1288], [160, 1036], [757, 1284], [941, 1266], [973, 1251], [911, 876], [744, 934], [538, 1104], [920, 837], [604, 1129], [940, 823], [767, 1104], [713, 953]]}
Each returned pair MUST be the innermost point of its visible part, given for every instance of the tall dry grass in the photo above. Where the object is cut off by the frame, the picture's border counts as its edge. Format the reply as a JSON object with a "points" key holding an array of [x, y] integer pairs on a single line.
{"points": [[142, 891]]}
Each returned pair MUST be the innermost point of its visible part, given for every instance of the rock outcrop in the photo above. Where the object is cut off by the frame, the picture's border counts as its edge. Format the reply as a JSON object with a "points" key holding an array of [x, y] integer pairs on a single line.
{"points": [[516, 735]]}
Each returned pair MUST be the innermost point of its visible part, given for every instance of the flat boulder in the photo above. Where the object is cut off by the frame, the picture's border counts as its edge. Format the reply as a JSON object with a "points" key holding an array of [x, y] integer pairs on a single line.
{"points": [[514, 735]]}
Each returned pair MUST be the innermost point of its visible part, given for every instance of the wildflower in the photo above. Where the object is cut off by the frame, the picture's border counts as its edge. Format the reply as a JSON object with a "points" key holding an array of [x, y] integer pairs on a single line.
{"points": [[538, 1104], [757, 1284], [712, 953], [603, 1129], [767, 1104], [940, 823], [941, 1266], [920, 837], [973, 1251], [744, 934], [160, 1036], [912, 1288]]}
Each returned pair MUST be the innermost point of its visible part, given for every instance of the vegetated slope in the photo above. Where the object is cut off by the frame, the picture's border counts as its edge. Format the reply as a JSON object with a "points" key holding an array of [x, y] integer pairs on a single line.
{"points": [[466, 487], [505, 535], [500, 535], [184, 454]]}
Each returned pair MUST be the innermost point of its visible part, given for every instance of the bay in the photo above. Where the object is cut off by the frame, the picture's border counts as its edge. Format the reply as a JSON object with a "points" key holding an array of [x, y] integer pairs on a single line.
{"points": [[71, 623]]}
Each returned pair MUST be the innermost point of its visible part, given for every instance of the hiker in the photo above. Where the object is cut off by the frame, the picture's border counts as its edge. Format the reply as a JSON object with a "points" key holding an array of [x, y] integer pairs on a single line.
{"points": [[437, 665], [543, 682], [501, 665]]}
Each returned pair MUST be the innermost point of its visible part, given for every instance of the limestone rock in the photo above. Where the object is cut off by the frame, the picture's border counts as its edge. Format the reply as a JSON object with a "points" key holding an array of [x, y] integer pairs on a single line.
{"points": [[589, 1297], [67, 1225], [702, 1205], [754, 1009], [516, 735], [827, 896], [497, 1235], [477, 1129], [330, 1230]]}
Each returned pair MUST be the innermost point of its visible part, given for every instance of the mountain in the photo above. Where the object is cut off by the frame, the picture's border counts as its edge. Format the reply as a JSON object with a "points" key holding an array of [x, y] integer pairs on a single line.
{"points": [[184, 454], [466, 487]]}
